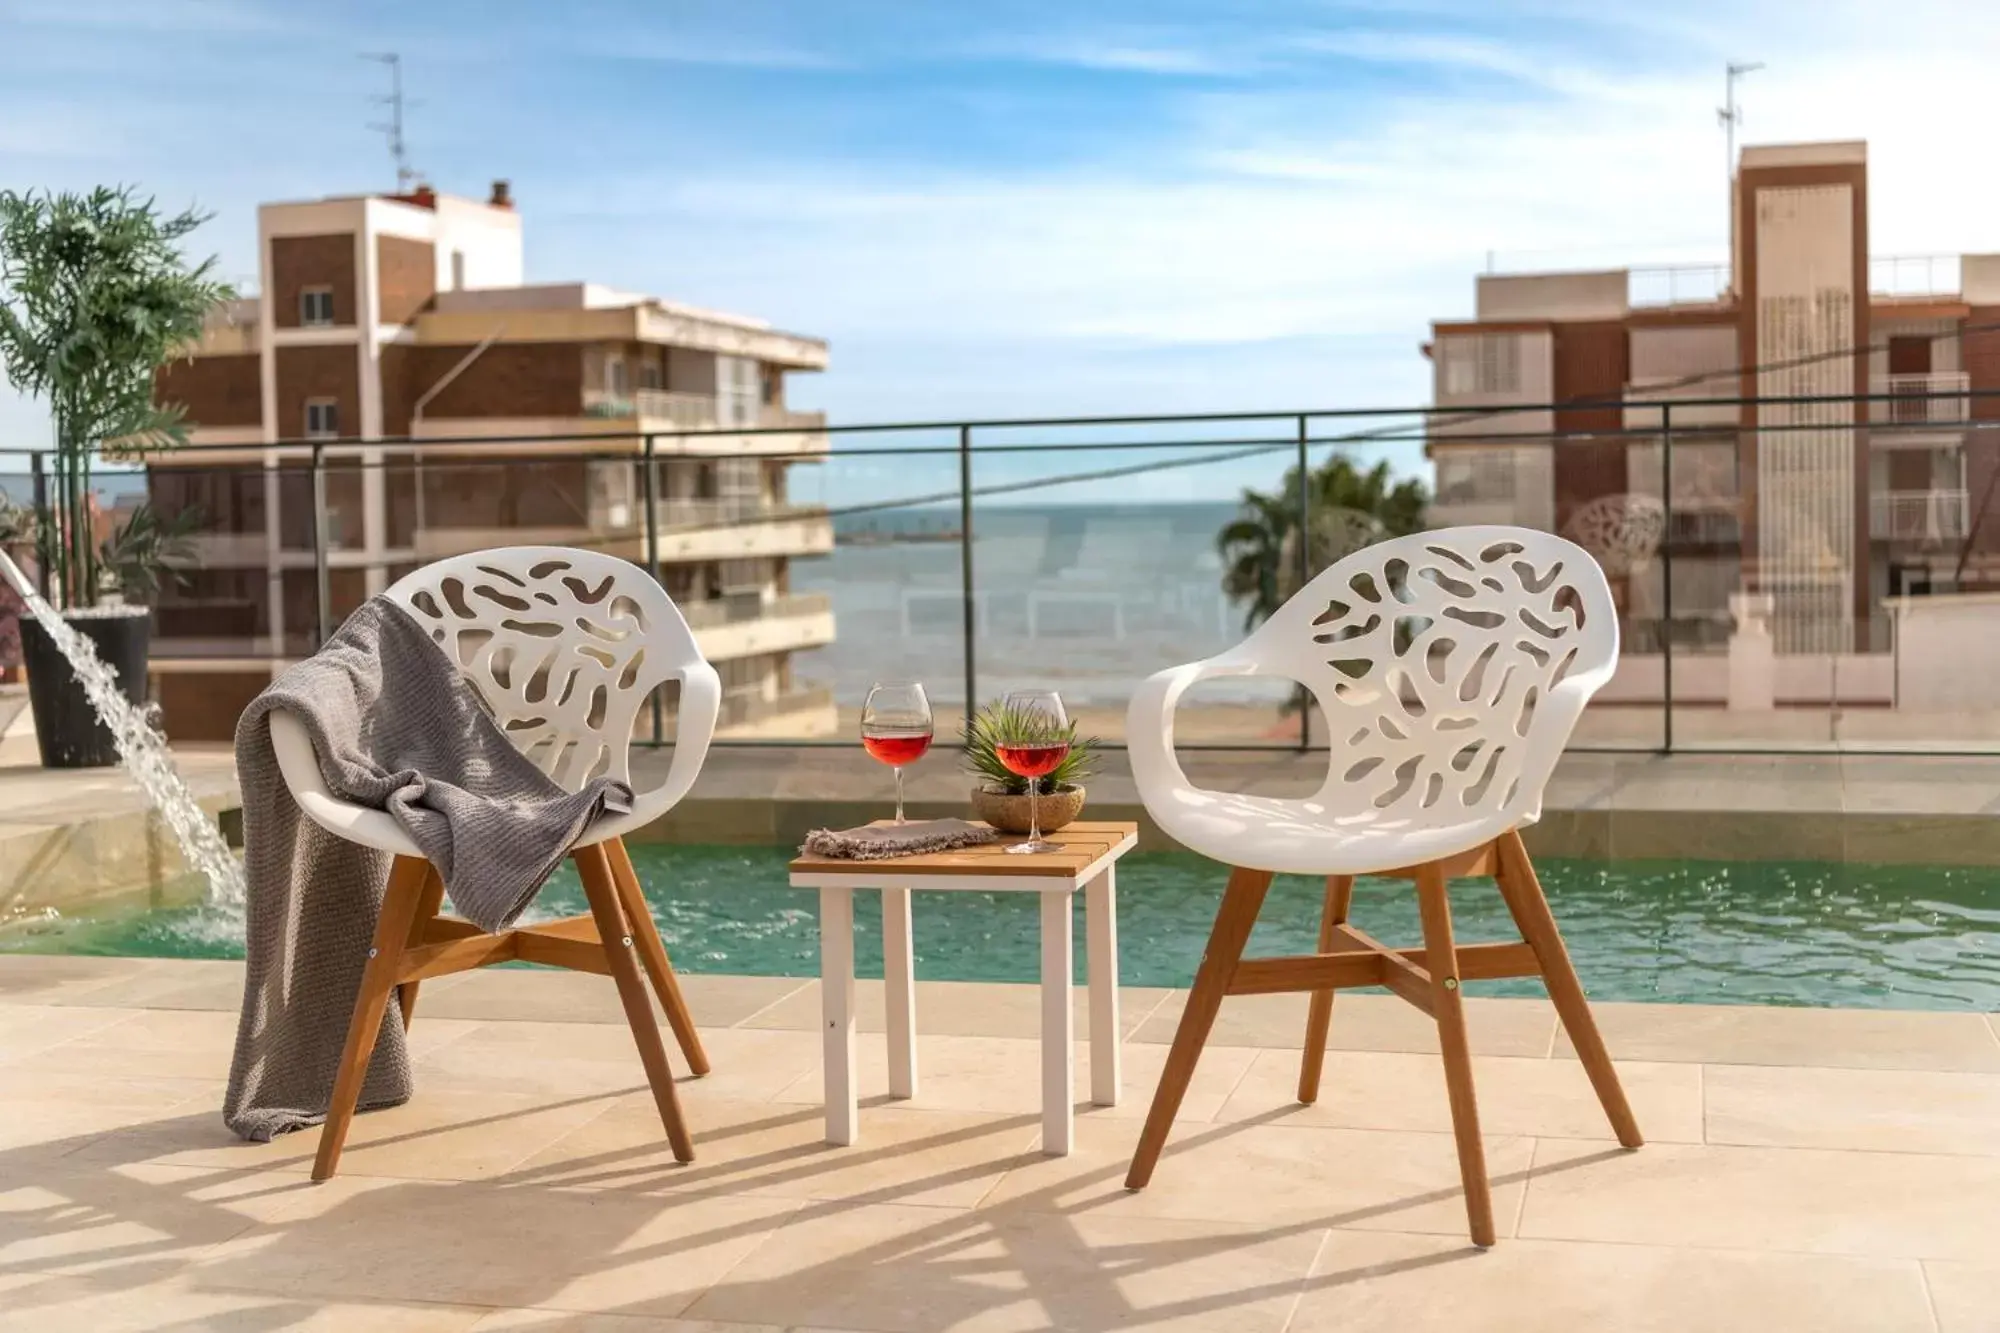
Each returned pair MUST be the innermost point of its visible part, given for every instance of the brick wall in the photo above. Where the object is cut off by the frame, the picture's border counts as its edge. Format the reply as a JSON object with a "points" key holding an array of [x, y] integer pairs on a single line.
{"points": [[1592, 361], [204, 705], [318, 372], [1979, 357], [407, 273], [508, 380], [298, 262], [214, 390]]}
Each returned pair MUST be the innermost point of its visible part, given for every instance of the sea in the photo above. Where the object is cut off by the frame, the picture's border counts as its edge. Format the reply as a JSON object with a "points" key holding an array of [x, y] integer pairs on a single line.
{"points": [[1086, 599]]}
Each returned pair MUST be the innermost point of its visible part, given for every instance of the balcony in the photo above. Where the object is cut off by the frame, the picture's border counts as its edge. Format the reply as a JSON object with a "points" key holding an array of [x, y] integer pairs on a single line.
{"points": [[674, 409], [725, 529], [1643, 398], [1917, 516], [1913, 275], [808, 712], [750, 625], [1660, 286], [1935, 399]]}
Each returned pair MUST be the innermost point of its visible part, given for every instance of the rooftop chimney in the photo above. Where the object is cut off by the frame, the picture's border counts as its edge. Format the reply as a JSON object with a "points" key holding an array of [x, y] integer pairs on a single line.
{"points": [[503, 195]]}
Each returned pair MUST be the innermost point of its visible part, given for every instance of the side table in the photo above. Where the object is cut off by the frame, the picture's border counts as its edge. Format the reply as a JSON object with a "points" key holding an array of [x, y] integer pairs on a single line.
{"points": [[1087, 860]]}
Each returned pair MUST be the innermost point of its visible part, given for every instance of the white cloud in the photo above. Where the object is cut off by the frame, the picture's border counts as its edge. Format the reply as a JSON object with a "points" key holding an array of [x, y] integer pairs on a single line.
{"points": [[1271, 239]]}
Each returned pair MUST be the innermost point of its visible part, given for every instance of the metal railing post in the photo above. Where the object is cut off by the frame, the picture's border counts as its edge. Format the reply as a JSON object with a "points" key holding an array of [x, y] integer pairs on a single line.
{"points": [[649, 496], [39, 469], [1667, 578], [1304, 567], [967, 593], [322, 577]]}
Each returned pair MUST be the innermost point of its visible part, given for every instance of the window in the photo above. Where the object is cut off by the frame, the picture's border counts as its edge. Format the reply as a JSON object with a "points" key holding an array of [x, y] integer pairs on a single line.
{"points": [[649, 375], [458, 270], [614, 377], [316, 307], [1481, 363], [322, 419], [1475, 476]]}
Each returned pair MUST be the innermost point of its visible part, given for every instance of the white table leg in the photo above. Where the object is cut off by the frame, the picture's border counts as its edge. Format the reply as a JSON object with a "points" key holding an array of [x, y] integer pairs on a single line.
{"points": [[1058, 1036], [836, 995], [1101, 917], [899, 973]]}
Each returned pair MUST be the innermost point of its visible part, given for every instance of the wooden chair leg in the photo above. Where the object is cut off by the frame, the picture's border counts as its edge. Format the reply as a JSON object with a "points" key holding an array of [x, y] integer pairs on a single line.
{"points": [[1319, 1017], [601, 888], [1522, 891], [392, 928], [427, 908], [1441, 960], [1241, 902], [653, 953]]}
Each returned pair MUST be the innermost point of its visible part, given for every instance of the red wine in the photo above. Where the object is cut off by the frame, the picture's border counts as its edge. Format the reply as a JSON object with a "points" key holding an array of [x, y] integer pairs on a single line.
{"points": [[896, 748], [1032, 761]]}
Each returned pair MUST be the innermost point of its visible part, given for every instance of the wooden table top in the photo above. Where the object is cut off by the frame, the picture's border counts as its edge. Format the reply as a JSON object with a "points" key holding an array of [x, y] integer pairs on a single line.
{"points": [[1083, 843]]}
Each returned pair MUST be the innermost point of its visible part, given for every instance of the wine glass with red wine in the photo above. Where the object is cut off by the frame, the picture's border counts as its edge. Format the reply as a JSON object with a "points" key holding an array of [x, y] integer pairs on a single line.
{"points": [[896, 728], [1035, 740]]}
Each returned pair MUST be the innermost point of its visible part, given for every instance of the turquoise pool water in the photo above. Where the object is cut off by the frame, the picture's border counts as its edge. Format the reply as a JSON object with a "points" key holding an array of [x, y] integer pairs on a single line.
{"points": [[1692, 931]]}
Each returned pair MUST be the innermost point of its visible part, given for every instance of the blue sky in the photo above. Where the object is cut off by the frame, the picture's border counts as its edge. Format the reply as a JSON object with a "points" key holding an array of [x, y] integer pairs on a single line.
{"points": [[1031, 208]]}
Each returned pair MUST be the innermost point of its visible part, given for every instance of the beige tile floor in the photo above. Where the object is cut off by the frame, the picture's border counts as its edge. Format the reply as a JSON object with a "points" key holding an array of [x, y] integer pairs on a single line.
{"points": [[1808, 1170]]}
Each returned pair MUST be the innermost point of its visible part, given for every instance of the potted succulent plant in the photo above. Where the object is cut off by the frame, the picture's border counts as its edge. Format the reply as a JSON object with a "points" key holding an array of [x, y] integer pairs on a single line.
{"points": [[95, 295], [1001, 797]]}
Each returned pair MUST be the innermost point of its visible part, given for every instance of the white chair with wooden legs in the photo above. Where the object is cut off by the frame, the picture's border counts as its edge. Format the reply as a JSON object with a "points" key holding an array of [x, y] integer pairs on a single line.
{"points": [[566, 647], [1450, 667]]}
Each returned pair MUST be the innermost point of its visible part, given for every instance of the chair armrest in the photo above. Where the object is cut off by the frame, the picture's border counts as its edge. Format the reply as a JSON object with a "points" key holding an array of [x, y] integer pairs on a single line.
{"points": [[297, 761], [1149, 721], [694, 727]]}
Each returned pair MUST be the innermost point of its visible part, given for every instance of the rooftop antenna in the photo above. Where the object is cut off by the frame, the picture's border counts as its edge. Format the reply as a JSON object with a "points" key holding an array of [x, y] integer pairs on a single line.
{"points": [[1730, 114], [393, 128]]}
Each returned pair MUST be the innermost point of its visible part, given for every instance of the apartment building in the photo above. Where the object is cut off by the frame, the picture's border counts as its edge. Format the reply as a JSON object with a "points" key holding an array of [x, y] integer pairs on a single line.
{"points": [[453, 407], [1826, 507]]}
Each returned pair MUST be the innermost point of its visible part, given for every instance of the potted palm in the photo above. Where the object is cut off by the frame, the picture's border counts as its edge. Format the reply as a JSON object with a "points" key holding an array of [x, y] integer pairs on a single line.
{"points": [[1000, 796], [95, 295]]}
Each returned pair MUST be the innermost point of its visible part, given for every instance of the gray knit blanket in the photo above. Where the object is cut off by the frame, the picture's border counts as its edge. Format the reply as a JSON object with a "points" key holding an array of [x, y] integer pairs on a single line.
{"points": [[878, 842], [396, 728]]}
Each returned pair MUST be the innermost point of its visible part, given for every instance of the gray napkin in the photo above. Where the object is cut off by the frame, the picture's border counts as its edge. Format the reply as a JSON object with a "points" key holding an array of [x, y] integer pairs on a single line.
{"points": [[874, 842]]}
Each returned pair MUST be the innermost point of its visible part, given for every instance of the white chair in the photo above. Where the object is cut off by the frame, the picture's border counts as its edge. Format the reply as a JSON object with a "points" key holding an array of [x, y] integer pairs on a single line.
{"points": [[566, 648], [1450, 667]]}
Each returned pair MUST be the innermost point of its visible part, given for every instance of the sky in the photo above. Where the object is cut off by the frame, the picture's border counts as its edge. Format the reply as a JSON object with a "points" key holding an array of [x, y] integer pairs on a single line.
{"points": [[1028, 209]]}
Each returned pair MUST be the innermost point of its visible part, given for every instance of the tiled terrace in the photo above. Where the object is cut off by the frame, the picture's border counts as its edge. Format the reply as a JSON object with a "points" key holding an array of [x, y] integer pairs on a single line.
{"points": [[1807, 1169]]}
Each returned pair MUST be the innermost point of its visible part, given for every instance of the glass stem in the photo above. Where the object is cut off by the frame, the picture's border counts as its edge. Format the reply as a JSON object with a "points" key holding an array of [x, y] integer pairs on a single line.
{"points": [[1034, 811], [899, 793]]}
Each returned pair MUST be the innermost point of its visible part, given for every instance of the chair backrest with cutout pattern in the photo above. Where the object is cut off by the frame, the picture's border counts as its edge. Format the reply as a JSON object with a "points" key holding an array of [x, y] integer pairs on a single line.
{"points": [[1433, 657], [565, 646]]}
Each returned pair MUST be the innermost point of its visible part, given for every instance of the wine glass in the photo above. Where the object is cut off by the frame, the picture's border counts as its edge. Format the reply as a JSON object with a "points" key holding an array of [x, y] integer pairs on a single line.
{"points": [[896, 728], [1034, 741]]}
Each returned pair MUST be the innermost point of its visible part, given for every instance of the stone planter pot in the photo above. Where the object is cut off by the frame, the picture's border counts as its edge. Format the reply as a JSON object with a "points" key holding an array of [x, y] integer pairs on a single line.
{"points": [[1009, 814], [67, 728]]}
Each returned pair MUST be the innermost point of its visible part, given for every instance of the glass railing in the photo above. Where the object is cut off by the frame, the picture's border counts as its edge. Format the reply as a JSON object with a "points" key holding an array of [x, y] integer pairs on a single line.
{"points": [[1809, 583]]}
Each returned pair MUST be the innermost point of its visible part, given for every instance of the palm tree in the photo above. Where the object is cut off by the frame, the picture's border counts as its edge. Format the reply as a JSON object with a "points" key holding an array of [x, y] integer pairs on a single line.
{"points": [[1348, 509]]}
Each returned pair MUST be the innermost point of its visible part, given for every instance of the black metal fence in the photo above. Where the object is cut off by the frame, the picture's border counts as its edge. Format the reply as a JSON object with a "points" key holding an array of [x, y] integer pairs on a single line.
{"points": [[1089, 552]]}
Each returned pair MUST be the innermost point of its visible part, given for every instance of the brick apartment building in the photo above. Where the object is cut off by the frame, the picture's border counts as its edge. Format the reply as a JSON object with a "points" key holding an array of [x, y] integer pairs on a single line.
{"points": [[388, 324], [1828, 507]]}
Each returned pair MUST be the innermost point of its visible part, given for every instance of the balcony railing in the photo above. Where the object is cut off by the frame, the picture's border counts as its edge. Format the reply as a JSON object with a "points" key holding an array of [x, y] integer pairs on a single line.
{"points": [[742, 710], [1913, 275], [1934, 399], [781, 418], [681, 410], [1919, 516], [740, 610], [680, 513], [1676, 284], [1643, 397]]}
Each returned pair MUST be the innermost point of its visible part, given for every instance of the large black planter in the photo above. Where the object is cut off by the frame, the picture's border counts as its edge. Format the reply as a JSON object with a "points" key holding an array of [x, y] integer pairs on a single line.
{"points": [[68, 729]]}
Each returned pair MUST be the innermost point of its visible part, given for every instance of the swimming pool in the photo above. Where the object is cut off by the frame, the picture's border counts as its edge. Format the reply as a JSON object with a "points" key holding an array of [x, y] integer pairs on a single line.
{"points": [[1797, 933]]}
